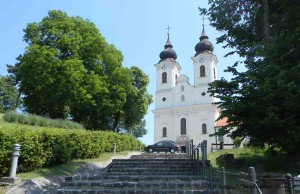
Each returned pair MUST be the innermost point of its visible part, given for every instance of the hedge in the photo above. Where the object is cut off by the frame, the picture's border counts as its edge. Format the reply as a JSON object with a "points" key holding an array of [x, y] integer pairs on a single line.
{"points": [[51, 146]]}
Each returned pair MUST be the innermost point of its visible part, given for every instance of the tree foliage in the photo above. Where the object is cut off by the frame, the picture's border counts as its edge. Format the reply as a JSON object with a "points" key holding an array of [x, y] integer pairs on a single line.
{"points": [[68, 70], [261, 103], [8, 94]]}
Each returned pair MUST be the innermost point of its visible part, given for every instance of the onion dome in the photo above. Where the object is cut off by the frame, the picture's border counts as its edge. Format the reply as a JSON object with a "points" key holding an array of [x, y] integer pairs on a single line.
{"points": [[168, 53], [204, 44]]}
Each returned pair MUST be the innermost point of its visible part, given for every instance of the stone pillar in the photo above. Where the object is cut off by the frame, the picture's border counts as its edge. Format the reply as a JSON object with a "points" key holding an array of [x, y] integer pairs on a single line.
{"points": [[14, 160], [12, 179]]}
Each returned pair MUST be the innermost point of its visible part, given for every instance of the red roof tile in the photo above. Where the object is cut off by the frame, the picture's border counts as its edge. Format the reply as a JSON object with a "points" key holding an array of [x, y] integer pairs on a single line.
{"points": [[221, 122]]}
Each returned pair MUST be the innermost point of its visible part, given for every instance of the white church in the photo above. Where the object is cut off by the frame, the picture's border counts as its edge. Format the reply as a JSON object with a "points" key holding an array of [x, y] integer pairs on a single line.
{"points": [[184, 111]]}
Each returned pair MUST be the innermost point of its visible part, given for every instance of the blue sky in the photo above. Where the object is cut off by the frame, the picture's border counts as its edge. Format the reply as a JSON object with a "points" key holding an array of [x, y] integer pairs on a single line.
{"points": [[136, 27]]}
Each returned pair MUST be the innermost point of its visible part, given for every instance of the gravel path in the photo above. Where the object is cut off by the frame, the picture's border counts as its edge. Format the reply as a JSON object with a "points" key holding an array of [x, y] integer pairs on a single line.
{"points": [[39, 185]]}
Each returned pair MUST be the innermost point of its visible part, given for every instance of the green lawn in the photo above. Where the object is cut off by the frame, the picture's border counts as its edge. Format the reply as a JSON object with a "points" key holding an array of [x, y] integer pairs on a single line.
{"points": [[68, 168], [263, 161]]}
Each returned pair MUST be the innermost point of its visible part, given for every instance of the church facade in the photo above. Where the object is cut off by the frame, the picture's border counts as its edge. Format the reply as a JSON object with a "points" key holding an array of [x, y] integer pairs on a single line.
{"points": [[184, 111]]}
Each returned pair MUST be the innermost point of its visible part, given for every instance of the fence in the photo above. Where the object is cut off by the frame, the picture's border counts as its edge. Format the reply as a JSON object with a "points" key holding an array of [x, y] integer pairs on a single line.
{"points": [[203, 166], [233, 182], [246, 182], [220, 146]]}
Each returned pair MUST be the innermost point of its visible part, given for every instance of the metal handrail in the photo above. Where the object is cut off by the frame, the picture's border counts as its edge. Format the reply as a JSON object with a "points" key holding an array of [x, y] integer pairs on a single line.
{"points": [[251, 183], [234, 173], [198, 146]]}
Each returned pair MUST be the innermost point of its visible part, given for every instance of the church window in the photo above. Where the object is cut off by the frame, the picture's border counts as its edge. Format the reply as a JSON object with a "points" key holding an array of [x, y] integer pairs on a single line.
{"points": [[165, 132], [183, 126], [176, 78], [202, 71], [182, 88], [204, 128], [182, 98], [214, 73], [164, 77]]}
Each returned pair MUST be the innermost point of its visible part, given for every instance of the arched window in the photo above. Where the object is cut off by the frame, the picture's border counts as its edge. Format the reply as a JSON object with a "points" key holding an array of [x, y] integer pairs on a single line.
{"points": [[183, 126], [182, 98], [182, 88], [202, 71], [164, 77], [176, 78], [165, 132], [215, 73], [204, 128]]}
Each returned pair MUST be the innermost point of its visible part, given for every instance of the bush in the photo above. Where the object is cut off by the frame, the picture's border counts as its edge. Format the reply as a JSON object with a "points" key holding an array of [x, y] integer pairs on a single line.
{"points": [[51, 146], [13, 117], [10, 117]]}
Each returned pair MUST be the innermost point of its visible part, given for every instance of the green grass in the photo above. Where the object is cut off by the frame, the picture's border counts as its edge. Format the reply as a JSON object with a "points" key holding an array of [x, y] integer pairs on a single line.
{"points": [[263, 161], [35, 120], [66, 169]]}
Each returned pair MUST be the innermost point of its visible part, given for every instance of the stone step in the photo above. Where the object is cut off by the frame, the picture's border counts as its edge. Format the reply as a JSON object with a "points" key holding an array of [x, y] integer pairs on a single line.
{"points": [[132, 191], [152, 160], [160, 155], [152, 164], [145, 169], [150, 173], [135, 177], [109, 184]]}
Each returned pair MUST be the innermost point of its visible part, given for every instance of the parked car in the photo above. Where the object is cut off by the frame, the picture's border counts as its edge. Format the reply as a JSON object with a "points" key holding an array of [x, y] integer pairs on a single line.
{"points": [[163, 146]]}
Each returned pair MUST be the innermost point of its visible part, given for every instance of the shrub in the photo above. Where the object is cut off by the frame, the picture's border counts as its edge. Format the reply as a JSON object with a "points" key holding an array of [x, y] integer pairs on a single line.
{"points": [[10, 117], [50, 146], [13, 117]]}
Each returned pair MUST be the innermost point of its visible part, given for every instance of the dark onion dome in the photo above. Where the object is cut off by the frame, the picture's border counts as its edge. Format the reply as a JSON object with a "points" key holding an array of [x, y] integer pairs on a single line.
{"points": [[204, 44], [168, 53]]}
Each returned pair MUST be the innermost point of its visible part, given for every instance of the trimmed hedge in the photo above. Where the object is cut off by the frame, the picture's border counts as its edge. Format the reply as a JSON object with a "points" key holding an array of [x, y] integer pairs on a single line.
{"points": [[34, 120], [51, 146]]}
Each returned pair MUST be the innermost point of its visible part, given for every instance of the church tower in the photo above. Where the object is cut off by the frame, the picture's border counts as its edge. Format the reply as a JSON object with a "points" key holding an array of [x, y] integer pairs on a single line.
{"points": [[167, 71], [204, 64]]}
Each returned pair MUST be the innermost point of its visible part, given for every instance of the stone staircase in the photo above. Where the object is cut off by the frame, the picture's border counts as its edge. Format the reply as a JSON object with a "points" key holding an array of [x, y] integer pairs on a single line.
{"points": [[164, 173]]}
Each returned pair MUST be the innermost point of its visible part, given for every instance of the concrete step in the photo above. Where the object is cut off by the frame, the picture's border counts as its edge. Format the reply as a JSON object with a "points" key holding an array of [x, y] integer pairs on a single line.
{"points": [[160, 155], [135, 177], [131, 191], [153, 165], [145, 169], [159, 160], [110, 184], [150, 173]]}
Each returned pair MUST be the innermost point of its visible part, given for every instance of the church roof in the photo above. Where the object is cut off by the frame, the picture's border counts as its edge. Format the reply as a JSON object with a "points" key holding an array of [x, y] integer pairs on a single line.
{"points": [[204, 44], [222, 122], [182, 78], [168, 53]]}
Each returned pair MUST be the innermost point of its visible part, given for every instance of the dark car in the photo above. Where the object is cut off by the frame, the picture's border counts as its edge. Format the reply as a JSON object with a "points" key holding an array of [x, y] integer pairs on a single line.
{"points": [[163, 146]]}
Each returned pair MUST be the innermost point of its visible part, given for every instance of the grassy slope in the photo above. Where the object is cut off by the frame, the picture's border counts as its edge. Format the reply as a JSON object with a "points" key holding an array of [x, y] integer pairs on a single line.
{"points": [[260, 159]]}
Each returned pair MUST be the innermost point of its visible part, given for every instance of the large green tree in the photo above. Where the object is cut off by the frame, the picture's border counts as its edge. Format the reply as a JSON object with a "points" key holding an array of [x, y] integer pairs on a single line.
{"points": [[261, 103], [8, 94], [69, 70]]}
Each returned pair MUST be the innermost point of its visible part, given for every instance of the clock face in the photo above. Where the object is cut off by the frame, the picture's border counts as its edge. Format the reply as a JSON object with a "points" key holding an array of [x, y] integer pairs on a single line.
{"points": [[202, 59]]}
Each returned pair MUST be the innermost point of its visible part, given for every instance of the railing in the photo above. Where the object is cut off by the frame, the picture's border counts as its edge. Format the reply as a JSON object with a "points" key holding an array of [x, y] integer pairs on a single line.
{"points": [[248, 180], [220, 145], [194, 154]]}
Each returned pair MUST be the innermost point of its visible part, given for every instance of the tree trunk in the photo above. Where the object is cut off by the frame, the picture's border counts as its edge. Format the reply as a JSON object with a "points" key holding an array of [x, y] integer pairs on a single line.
{"points": [[266, 22], [116, 121], [18, 101]]}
